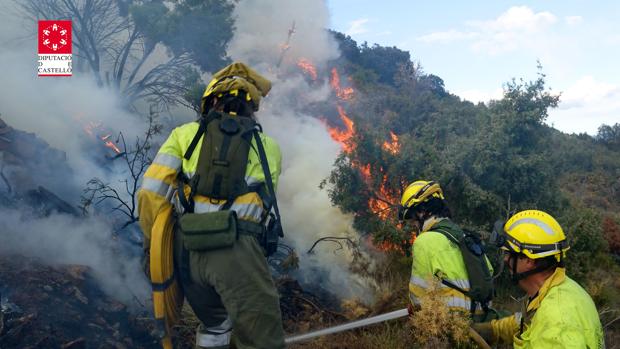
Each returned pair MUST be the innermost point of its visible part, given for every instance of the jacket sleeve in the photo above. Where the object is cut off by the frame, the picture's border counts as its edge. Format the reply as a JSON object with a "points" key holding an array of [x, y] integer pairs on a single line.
{"points": [[421, 271], [505, 328], [158, 184]]}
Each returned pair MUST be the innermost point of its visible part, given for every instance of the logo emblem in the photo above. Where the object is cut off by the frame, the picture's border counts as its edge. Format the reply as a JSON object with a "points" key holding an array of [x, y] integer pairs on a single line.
{"points": [[55, 58], [55, 37]]}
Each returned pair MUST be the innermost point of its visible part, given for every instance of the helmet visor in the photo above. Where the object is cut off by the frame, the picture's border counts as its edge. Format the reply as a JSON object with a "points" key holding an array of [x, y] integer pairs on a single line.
{"points": [[534, 251]]}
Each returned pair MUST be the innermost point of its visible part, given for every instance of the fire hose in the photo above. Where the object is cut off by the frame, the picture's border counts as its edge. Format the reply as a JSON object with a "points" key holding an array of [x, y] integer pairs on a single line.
{"points": [[369, 321], [167, 293]]}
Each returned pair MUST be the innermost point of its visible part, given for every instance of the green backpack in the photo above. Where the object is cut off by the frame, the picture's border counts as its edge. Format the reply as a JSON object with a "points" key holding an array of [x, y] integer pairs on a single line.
{"points": [[224, 156], [481, 288], [221, 168]]}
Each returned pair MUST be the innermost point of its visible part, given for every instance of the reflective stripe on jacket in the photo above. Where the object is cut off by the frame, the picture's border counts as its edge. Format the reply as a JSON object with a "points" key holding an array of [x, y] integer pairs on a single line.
{"points": [[434, 256], [562, 315], [159, 182]]}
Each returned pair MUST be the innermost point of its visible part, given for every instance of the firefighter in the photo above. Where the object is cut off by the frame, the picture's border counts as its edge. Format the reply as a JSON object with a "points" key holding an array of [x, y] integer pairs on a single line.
{"points": [[558, 313], [438, 255], [219, 246]]}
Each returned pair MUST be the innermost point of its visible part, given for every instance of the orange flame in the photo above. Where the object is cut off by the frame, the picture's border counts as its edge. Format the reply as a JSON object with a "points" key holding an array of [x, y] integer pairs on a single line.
{"points": [[308, 68], [93, 128], [387, 246], [381, 205], [365, 172], [343, 136], [342, 93], [393, 146], [110, 145]]}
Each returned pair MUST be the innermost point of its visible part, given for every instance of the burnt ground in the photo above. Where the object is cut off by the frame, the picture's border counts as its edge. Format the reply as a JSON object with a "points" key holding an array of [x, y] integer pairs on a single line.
{"points": [[63, 307], [303, 310]]}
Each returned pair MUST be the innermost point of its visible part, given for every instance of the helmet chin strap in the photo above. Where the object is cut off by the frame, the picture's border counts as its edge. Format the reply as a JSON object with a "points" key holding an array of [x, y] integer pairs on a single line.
{"points": [[423, 220], [516, 277]]}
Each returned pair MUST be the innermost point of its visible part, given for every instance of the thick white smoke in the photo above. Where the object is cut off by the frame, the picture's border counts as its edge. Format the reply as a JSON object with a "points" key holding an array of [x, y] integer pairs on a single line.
{"points": [[262, 27], [308, 152], [62, 239], [56, 109]]}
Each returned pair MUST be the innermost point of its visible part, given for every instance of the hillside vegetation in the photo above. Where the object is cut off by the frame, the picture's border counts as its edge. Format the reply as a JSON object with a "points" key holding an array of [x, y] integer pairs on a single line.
{"points": [[491, 159]]}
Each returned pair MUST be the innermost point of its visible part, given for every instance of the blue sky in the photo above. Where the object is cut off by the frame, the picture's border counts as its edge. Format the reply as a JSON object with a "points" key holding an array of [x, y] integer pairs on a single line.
{"points": [[476, 46]]}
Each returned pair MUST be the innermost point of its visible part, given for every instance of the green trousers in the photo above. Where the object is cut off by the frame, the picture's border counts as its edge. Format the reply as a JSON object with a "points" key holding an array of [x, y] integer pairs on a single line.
{"points": [[233, 287]]}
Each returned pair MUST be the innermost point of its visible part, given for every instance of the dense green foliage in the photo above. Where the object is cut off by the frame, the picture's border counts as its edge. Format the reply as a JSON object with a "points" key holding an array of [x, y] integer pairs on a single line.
{"points": [[491, 159], [197, 27]]}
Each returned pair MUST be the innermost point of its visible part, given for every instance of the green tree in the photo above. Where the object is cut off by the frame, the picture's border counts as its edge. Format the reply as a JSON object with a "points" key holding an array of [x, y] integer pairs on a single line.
{"points": [[201, 29], [609, 136], [385, 61]]}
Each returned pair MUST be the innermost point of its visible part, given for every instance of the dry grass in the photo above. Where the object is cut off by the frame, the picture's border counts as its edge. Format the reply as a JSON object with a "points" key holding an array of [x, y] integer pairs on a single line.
{"points": [[441, 326], [434, 326], [185, 330]]}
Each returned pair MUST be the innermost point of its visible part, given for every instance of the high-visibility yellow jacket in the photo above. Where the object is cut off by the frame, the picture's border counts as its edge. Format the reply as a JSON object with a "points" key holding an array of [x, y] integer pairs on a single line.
{"points": [[434, 257], [562, 315], [159, 182]]}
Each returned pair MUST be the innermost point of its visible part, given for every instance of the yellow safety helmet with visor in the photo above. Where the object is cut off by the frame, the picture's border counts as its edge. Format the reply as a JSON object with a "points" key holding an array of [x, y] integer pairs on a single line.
{"points": [[416, 193], [235, 78], [535, 234]]}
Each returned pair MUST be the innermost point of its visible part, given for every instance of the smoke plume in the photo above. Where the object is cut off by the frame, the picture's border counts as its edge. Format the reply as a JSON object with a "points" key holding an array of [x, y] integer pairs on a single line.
{"points": [[308, 152]]}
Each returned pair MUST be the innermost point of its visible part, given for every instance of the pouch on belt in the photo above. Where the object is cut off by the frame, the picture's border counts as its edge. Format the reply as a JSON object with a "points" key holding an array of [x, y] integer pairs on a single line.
{"points": [[209, 231]]}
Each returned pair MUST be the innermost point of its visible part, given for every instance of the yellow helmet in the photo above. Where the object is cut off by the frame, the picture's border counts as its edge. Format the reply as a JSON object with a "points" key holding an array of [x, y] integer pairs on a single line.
{"points": [[417, 193], [234, 78], [535, 234]]}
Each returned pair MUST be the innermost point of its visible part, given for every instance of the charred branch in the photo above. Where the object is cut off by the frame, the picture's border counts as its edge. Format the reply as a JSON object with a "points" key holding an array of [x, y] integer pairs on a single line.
{"points": [[137, 159], [340, 241], [163, 85]]}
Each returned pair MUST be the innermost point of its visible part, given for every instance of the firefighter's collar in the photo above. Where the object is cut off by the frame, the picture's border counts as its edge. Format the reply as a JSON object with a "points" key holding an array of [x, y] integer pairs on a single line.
{"points": [[555, 279]]}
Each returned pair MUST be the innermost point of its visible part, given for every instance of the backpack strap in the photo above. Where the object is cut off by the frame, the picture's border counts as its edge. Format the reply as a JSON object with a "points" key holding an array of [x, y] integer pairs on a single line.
{"points": [[472, 305], [202, 128], [447, 234], [454, 239], [268, 180]]}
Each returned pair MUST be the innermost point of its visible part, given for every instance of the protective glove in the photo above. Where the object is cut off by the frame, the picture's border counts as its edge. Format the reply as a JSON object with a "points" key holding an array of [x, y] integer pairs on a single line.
{"points": [[485, 330]]}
